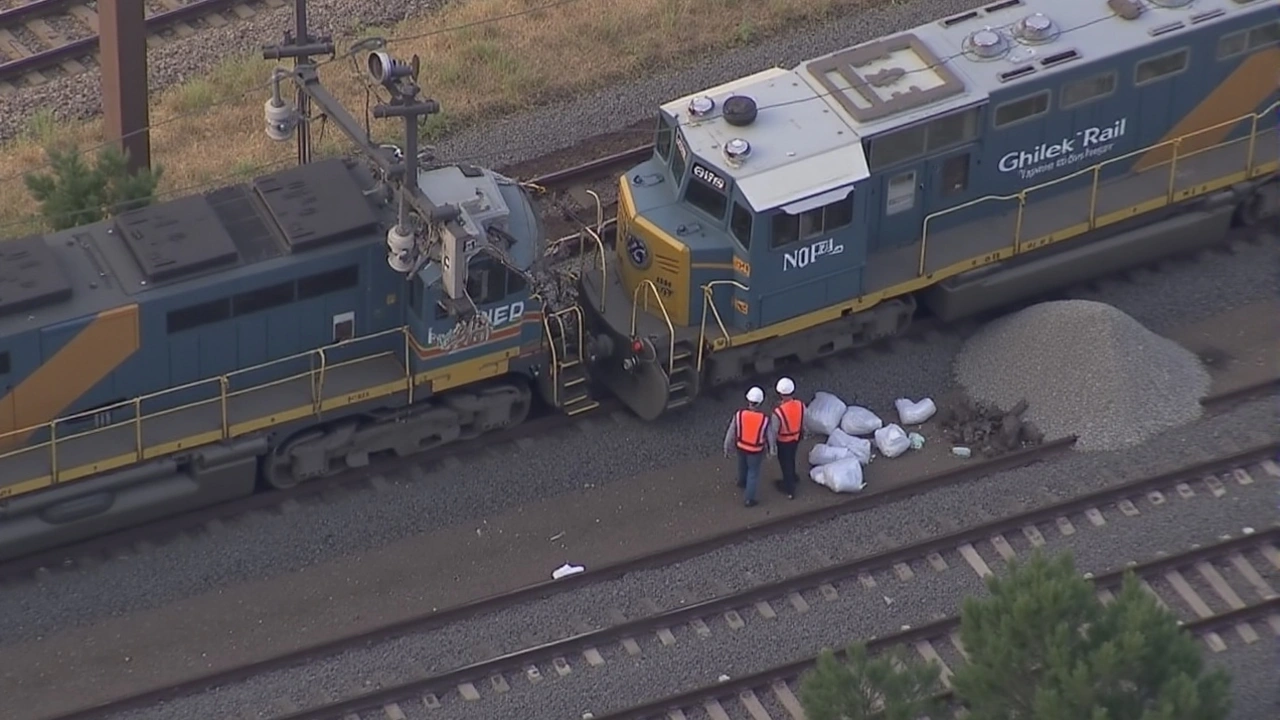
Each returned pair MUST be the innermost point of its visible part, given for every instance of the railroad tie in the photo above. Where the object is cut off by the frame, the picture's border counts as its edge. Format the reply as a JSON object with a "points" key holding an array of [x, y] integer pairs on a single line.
{"points": [[10, 46], [1229, 596]]}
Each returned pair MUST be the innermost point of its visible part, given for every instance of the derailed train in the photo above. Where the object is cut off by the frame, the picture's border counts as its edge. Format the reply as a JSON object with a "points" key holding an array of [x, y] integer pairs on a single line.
{"points": [[188, 353]]}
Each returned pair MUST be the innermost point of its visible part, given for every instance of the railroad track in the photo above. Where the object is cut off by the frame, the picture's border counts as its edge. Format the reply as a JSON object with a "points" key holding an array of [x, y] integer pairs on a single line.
{"points": [[1244, 611], [593, 649], [41, 40]]}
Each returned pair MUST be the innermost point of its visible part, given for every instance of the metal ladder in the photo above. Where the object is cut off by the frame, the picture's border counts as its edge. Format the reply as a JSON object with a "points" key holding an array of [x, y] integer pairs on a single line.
{"points": [[569, 371]]}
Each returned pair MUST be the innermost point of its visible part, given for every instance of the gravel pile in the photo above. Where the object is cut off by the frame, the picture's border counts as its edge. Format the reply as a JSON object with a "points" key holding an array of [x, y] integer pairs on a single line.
{"points": [[1086, 368], [695, 661]]}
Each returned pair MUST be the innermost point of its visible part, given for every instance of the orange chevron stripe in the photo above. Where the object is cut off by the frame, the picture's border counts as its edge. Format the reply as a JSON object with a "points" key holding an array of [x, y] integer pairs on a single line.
{"points": [[1238, 95]]}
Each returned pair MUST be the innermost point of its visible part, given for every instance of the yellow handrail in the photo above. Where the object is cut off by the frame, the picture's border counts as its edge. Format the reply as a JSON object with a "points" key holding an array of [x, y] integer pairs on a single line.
{"points": [[558, 316], [671, 330], [223, 395], [708, 301], [1175, 146]]}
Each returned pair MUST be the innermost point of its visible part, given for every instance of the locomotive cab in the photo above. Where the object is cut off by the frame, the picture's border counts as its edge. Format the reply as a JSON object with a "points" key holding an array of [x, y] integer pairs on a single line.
{"points": [[747, 215], [738, 213], [497, 209]]}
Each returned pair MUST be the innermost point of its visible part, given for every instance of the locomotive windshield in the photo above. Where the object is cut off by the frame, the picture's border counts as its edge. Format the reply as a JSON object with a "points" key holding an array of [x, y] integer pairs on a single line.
{"points": [[662, 138]]}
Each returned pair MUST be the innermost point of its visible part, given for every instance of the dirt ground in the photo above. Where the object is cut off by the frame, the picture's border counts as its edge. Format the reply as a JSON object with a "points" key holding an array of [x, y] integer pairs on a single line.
{"points": [[651, 512]]}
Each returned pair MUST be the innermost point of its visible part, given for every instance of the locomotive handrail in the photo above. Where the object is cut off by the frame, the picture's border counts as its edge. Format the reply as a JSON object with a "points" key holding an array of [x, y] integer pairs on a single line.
{"points": [[635, 309], [604, 284], [708, 300], [1175, 144], [555, 360], [224, 394]]}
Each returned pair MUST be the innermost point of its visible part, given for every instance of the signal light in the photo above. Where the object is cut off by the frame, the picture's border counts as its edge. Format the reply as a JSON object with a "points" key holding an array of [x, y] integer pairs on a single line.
{"points": [[636, 346]]}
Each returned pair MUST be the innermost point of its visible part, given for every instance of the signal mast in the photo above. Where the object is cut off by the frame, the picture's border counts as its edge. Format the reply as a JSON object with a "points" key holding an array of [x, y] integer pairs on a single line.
{"points": [[424, 230]]}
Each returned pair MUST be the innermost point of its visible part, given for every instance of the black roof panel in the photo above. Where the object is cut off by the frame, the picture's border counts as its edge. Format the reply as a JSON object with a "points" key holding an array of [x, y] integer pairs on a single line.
{"points": [[316, 204], [178, 238], [30, 276]]}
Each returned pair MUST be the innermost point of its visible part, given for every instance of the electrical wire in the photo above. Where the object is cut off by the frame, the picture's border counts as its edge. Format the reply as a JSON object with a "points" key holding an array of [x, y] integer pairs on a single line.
{"points": [[381, 42]]}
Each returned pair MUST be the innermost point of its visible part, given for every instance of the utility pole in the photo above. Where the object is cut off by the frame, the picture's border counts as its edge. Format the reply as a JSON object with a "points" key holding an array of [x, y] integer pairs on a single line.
{"points": [[122, 53], [300, 46]]}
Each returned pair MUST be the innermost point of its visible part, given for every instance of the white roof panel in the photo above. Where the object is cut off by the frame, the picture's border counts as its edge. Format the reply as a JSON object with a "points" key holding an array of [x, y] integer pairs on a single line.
{"points": [[799, 145]]}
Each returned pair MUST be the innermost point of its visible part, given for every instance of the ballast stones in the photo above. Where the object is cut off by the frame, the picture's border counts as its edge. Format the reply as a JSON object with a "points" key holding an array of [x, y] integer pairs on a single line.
{"points": [[1086, 369]]}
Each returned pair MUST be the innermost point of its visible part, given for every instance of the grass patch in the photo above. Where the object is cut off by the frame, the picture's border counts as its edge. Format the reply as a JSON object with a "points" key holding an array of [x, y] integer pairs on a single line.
{"points": [[202, 135]]}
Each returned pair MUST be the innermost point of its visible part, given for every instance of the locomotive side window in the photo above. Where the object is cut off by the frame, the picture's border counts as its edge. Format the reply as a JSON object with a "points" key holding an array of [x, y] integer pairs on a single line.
{"points": [[416, 293], [196, 315], [4, 363], [706, 198], [955, 174], [262, 299], [947, 131], [897, 147], [1162, 66], [1233, 44], [811, 223], [1264, 35], [786, 230], [1016, 111], [328, 282], [663, 139], [1084, 90], [740, 224], [489, 281]]}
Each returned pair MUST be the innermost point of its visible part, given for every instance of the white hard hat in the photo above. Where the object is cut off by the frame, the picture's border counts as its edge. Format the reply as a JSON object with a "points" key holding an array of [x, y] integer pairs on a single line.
{"points": [[785, 386], [755, 395]]}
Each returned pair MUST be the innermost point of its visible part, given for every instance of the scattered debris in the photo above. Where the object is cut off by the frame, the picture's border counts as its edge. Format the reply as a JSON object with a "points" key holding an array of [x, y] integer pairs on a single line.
{"points": [[566, 570], [971, 425]]}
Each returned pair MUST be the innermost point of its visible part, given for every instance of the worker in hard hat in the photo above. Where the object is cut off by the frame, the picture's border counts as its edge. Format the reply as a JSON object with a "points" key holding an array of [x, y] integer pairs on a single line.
{"points": [[788, 419], [749, 434]]}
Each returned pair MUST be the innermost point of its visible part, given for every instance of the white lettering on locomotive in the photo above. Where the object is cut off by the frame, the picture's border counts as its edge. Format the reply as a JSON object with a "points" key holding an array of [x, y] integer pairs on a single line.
{"points": [[806, 256], [478, 329], [1086, 144], [709, 177]]}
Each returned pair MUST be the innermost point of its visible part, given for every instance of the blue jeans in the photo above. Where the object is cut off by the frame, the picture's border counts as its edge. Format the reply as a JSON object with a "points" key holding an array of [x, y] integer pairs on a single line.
{"points": [[749, 472]]}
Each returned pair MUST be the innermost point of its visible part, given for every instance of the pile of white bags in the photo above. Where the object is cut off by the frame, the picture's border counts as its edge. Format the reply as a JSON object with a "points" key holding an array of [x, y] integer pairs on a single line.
{"points": [[837, 463], [824, 413]]}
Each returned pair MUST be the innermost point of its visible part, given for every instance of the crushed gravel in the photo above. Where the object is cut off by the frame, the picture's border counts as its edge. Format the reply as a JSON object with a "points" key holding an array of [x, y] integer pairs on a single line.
{"points": [[1115, 383], [267, 545], [859, 613]]}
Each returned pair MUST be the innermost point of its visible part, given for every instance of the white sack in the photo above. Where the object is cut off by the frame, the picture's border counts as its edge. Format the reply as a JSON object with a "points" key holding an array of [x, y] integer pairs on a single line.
{"points": [[824, 413], [842, 476], [858, 447], [822, 454], [914, 413], [892, 441], [860, 421]]}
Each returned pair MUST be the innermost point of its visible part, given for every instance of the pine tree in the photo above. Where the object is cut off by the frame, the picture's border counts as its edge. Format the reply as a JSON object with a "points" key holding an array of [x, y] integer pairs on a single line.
{"points": [[1043, 647], [862, 687], [73, 193]]}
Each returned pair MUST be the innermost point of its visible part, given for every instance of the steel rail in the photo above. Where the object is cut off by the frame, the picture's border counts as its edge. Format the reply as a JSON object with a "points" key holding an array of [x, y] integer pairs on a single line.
{"points": [[944, 626], [89, 45], [15, 15], [598, 166], [548, 588], [767, 591]]}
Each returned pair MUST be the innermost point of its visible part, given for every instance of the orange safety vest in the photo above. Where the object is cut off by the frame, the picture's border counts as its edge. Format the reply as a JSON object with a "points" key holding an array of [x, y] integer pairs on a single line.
{"points": [[751, 428], [790, 415]]}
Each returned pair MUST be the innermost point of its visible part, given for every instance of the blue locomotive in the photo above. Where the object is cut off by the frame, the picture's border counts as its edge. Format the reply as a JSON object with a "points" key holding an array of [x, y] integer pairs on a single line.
{"points": [[300, 325], [983, 158]]}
